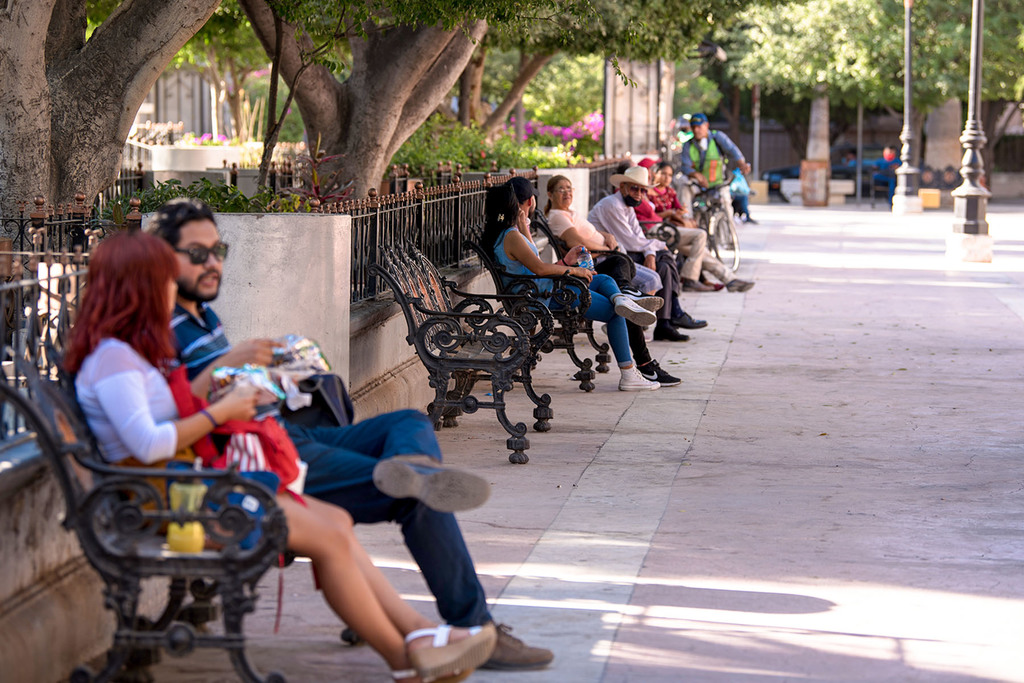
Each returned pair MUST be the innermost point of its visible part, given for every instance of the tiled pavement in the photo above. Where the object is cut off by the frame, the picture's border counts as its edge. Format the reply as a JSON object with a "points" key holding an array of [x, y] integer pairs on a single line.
{"points": [[835, 493]]}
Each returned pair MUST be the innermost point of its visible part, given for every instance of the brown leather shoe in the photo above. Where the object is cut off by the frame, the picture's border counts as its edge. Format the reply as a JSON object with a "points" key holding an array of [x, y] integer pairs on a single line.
{"points": [[512, 654], [695, 286]]}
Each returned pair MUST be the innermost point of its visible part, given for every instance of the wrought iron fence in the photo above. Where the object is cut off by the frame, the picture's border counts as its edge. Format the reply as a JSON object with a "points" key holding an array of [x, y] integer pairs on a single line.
{"points": [[601, 173], [37, 312], [60, 229], [436, 219]]}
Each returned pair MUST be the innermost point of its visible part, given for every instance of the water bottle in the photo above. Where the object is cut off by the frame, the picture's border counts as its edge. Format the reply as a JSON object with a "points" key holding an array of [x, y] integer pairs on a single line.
{"points": [[586, 260]]}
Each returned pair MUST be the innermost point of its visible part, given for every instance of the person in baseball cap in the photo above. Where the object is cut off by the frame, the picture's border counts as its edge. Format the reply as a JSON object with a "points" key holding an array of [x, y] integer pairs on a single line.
{"points": [[697, 119], [523, 188]]}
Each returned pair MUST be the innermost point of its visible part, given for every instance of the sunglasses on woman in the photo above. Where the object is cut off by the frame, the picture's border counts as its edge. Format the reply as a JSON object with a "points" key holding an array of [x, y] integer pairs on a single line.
{"points": [[198, 255]]}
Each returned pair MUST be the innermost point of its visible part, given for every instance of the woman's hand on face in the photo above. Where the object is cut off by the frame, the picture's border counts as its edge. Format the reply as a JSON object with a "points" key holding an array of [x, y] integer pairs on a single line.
{"points": [[523, 222], [237, 404]]}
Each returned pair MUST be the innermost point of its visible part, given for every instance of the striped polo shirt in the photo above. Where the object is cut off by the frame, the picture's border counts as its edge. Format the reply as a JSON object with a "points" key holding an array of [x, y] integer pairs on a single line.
{"points": [[200, 340]]}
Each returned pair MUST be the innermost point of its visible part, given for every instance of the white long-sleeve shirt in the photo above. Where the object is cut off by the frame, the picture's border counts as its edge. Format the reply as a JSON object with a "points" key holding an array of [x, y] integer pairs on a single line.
{"points": [[127, 403], [611, 215]]}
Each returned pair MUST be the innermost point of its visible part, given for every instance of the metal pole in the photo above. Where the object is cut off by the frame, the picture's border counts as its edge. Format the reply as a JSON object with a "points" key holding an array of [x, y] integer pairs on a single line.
{"points": [[756, 97], [970, 200], [860, 149], [908, 176]]}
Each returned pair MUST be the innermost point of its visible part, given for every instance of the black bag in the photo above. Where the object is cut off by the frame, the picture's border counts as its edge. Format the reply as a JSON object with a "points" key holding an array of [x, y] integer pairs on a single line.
{"points": [[331, 407]]}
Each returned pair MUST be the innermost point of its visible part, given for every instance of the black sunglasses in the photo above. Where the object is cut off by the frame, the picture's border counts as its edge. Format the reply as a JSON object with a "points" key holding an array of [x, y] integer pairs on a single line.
{"points": [[198, 255]]}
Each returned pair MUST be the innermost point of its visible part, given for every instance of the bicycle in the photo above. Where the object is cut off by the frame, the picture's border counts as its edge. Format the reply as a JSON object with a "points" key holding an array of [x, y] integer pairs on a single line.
{"points": [[711, 216]]}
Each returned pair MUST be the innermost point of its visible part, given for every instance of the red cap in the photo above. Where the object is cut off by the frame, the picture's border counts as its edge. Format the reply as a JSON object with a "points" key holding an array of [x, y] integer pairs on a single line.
{"points": [[648, 162]]}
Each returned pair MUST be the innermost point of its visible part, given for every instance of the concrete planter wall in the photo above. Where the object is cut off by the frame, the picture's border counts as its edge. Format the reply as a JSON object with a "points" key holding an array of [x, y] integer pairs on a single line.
{"points": [[288, 274], [1007, 185], [170, 158]]}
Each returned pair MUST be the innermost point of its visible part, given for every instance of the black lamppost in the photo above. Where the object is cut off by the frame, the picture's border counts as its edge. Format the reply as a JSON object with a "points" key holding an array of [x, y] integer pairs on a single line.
{"points": [[908, 177], [970, 200]]}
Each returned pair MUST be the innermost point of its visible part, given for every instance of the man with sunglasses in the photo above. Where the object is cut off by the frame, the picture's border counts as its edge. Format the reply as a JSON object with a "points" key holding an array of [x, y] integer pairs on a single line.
{"points": [[343, 461]]}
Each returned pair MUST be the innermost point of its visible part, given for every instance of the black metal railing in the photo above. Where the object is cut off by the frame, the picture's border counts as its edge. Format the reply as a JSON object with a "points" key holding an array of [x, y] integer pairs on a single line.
{"points": [[63, 228], [601, 173], [37, 312], [435, 219]]}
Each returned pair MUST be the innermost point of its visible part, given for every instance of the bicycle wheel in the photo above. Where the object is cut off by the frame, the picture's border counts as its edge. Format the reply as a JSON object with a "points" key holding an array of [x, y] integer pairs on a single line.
{"points": [[724, 241]]}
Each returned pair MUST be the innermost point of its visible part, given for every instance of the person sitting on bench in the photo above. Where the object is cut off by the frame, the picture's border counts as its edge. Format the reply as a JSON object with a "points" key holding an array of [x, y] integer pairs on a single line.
{"points": [[139, 406], [344, 462]]}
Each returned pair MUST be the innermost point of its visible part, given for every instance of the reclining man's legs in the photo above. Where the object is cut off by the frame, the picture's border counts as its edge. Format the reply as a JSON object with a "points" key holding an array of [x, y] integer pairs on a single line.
{"points": [[341, 462]]}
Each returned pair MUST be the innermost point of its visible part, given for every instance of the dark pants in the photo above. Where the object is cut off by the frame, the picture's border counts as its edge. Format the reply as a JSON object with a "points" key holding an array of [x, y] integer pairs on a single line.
{"points": [[665, 264], [622, 271], [341, 462]]}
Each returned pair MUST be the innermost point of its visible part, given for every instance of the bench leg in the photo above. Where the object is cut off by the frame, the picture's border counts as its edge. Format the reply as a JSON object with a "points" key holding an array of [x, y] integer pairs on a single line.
{"points": [[436, 409], [542, 412], [517, 441], [603, 358], [236, 605], [463, 385], [121, 596]]}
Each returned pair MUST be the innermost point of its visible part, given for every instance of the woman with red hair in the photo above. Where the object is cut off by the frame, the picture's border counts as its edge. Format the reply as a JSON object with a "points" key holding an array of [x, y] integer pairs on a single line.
{"points": [[130, 390]]}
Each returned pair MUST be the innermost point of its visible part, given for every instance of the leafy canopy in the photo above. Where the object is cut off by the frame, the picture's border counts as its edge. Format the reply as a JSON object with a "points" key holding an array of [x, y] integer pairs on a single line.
{"points": [[853, 50]]}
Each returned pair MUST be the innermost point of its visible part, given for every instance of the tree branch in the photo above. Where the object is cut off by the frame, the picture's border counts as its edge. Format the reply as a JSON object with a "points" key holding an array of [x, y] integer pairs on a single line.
{"points": [[526, 74]]}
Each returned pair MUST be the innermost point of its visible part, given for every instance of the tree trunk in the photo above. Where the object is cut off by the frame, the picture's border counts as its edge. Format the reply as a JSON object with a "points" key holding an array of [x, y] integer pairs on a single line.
{"points": [[528, 70], [817, 133], [942, 127], [995, 116], [732, 112], [68, 105], [471, 87], [398, 77]]}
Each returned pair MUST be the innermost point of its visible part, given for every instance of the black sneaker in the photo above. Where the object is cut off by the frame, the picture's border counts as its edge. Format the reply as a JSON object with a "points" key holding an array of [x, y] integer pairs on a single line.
{"points": [[653, 372]]}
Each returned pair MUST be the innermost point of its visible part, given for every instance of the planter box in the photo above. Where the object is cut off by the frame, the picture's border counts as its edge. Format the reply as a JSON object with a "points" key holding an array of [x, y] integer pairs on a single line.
{"points": [[168, 158]]}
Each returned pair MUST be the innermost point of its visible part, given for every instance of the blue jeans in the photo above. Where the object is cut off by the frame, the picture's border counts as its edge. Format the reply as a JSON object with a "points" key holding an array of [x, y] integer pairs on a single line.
{"points": [[602, 289], [341, 462]]}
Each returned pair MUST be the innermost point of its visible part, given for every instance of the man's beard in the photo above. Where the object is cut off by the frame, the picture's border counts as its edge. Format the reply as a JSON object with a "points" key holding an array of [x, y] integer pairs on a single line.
{"points": [[631, 202], [189, 292]]}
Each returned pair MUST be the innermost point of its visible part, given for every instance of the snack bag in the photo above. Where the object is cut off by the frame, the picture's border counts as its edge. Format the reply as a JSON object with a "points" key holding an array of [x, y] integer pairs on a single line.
{"points": [[298, 357], [270, 395]]}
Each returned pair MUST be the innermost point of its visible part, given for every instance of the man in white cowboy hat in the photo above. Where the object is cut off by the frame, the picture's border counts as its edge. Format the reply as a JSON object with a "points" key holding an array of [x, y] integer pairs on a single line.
{"points": [[614, 214]]}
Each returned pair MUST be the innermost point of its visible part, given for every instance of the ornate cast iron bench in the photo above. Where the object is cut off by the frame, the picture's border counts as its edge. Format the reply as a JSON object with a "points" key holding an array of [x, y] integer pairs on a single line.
{"points": [[573, 295], [118, 514], [470, 341]]}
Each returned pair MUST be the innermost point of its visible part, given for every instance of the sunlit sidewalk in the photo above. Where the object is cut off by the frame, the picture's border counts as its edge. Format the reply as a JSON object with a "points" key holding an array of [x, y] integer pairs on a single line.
{"points": [[833, 494]]}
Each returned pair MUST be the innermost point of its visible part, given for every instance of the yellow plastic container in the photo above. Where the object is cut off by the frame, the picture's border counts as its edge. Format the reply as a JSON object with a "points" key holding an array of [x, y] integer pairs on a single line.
{"points": [[190, 536]]}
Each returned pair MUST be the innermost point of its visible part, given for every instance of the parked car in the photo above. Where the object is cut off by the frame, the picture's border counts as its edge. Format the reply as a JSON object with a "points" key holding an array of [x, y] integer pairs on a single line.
{"points": [[840, 170]]}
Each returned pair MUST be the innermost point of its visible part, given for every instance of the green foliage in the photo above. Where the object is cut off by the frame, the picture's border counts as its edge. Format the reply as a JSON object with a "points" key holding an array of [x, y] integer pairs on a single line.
{"points": [[853, 50], [694, 91], [258, 88], [440, 139], [567, 89], [221, 197]]}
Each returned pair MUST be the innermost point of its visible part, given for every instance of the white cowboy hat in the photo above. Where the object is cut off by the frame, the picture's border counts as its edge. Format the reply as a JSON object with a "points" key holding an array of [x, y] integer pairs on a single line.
{"points": [[634, 174]]}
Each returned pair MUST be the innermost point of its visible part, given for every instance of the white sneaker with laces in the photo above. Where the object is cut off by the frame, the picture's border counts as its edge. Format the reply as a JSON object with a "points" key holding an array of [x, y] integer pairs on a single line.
{"points": [[632, 311], [632, 380], [649, 301]]}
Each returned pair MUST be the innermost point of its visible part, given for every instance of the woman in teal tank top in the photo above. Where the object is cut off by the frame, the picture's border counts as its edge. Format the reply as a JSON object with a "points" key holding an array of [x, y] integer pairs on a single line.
{"points": [[507, 234]]}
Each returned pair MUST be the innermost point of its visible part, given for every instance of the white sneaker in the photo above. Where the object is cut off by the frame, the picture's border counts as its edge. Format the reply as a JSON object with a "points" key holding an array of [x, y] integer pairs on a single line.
{"points": [[650, 302], [632, 311], [632, 380]]}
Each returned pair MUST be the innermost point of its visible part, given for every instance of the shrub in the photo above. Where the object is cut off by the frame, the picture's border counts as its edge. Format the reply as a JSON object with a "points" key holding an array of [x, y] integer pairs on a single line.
{"points": [[441, 139]]}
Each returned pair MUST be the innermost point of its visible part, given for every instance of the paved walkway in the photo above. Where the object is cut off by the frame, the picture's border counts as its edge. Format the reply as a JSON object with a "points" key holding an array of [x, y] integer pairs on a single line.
{"points": [[834, 494]]}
